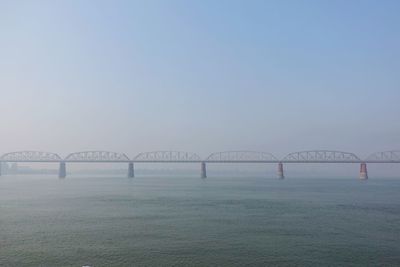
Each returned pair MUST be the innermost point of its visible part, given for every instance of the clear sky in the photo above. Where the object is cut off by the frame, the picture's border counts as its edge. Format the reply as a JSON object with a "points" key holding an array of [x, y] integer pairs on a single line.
{"points": [[201, 76]]}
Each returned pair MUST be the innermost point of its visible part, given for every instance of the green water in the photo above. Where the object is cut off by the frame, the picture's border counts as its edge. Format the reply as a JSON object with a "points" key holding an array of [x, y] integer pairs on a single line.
{"points": [[187, 221]]}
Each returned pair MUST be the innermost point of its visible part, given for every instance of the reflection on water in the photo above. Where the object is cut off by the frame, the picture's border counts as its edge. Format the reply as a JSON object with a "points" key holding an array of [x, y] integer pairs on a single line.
{"points": [[170, 221]]}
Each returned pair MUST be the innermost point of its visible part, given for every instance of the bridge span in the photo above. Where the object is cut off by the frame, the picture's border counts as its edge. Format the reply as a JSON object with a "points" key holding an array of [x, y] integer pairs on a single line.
{"points": [[225, 157]]}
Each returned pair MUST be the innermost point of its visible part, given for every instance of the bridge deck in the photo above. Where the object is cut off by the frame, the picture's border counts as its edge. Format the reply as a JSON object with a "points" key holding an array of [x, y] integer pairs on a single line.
{"points": [[200, 161]]}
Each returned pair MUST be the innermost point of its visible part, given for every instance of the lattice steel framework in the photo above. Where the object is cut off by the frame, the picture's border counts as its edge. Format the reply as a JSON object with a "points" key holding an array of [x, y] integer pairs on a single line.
{"points": [[385, 156], [34, 156], [321, 156], [156, 156], [97, 156], [241, 156]]}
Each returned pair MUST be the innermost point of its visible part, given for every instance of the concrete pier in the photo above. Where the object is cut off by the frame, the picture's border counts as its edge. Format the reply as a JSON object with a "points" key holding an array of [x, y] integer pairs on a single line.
{"points": [[363, 171], [1, 164], [203, 170], [281, 175], [131, 170], [62, 173]]}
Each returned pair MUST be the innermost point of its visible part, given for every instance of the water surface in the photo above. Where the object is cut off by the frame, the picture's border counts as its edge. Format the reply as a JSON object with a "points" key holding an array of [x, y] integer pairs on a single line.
{"points": [[187, 221]]}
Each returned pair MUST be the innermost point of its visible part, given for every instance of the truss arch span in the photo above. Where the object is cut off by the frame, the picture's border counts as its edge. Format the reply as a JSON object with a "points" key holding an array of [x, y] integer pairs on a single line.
{"points": [[321, 156], [241, 156], [160, 156], [97, 156], [30, 155], [385, 156]]}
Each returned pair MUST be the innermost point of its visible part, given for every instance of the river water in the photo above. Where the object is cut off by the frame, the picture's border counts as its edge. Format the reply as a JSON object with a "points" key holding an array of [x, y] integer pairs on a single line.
{"points": [[187, 221]]}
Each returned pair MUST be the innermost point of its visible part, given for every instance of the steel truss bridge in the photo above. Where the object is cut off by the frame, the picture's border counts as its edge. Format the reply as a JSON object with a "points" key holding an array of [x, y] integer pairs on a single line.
{"points": [[311, 156]]}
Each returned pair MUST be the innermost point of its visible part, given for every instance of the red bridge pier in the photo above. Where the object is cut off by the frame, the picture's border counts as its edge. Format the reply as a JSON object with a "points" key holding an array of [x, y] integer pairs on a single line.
{"points": [[363, 171]]}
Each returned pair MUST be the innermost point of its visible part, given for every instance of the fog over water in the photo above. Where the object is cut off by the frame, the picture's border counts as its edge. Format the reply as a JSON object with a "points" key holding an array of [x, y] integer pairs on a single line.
{"points": [[199, 76], [134, 76]]}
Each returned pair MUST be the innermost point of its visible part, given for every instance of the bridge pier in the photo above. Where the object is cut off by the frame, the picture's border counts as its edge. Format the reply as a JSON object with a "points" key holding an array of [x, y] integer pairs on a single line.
{"points": [[1, 164], [203, 170], [62, 172], [280, 171], [363, 171], [131, 170]]}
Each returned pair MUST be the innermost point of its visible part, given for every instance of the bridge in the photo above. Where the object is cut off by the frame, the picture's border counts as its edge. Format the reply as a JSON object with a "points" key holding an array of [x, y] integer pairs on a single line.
{"points": [[225, 157]]}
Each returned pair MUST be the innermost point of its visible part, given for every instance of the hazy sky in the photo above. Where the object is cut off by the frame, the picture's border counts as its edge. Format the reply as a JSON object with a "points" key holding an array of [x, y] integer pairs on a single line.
{"points": [[201, 76]]}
